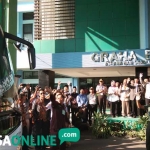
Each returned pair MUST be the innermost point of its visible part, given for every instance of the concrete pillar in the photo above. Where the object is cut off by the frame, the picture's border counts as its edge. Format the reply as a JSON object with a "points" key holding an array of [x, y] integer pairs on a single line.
{"points": [[143, 70], [144, 22], [46, 78]]}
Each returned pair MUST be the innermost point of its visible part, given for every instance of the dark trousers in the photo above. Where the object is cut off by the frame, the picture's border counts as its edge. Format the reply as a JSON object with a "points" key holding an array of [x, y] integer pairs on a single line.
{"points": [[133, 107], [141, 112], [41, 128], [84, 114], [102, 103], [119, 108], [58, 146], [74, 111], [92, 109], [113, 108]]}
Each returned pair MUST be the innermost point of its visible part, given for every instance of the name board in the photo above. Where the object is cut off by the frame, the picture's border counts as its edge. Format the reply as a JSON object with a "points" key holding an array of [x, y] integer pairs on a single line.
{"points": [[125, 58]]}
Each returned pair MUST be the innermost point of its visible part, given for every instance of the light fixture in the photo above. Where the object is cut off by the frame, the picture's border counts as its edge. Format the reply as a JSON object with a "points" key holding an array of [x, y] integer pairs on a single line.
{"points": [[17, 46]]}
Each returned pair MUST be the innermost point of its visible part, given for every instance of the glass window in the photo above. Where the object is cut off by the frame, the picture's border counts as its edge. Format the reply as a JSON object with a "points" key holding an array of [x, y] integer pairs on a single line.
{"points": [[35, 74], [27, 75], [28, 16], [28, 32], [30, 75], [27, 28], [86, 83]]}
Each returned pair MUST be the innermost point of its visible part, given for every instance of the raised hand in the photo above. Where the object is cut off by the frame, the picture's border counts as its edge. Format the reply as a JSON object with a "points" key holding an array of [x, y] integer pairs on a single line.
{"points": [[59, 82], [68, 82], [128, 80], [141, 75]]}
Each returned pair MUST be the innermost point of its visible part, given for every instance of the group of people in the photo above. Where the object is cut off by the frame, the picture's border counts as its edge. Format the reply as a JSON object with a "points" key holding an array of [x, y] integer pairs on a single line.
{"points": [[46, 111], [125, 99]]}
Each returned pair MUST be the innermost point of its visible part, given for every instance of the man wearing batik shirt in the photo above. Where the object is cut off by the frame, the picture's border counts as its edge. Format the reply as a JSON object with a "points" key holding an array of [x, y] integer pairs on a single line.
{"points": [[82, 104], [41, 118], [101, 90]]}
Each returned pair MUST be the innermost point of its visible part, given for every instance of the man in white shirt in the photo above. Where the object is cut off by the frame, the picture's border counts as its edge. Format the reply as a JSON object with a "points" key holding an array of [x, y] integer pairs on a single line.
{"points": [[113, 92]]}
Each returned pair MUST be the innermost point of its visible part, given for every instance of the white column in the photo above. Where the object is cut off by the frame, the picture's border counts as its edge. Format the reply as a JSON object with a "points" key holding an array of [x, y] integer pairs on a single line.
{"points": [[143, 23]]}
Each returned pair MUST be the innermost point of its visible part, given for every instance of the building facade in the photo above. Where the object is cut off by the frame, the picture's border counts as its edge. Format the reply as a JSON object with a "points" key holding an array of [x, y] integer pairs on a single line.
{"points": [[82, 41]]}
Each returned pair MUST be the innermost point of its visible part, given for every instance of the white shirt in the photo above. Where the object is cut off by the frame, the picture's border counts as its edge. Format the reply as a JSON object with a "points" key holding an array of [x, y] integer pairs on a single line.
{"points": [[125, 94], [99, 88], [92, 99], [147, 92], [113, 97]]}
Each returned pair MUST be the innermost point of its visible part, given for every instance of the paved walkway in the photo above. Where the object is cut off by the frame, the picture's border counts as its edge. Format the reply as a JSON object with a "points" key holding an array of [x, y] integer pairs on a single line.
{"points": [[89, 142]]}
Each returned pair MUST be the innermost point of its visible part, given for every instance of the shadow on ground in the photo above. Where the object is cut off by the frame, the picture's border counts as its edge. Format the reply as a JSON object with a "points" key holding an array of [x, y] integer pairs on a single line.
{"points": [[88, 142]]}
